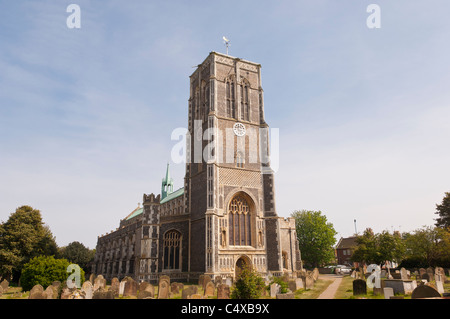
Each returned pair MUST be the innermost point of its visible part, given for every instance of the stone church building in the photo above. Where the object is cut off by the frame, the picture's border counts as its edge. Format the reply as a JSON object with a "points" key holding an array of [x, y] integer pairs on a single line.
{"points": [[225, 216]]}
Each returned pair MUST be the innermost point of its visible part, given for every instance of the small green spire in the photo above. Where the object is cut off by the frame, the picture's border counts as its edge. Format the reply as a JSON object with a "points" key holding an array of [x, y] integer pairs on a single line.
{"points": [[167, 184]]}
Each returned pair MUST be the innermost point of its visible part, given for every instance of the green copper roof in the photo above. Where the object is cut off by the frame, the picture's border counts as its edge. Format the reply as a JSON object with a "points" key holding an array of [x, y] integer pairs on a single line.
{"points": [[135, 213], [173, 195]]}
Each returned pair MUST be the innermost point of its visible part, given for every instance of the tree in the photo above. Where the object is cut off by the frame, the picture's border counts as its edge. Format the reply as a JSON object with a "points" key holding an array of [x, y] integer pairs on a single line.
{"points": [[248, 285], [22, 237], [77, 253], [428, 246], [443, 210], [316, 237], [44, 270], [378, 248]]}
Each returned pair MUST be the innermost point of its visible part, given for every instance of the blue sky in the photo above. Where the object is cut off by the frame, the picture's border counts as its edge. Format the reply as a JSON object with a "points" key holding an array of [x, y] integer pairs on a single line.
{"points": [[86, 114]]}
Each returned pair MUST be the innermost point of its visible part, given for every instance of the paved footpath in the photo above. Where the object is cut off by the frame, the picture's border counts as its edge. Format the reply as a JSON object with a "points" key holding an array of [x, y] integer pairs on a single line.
{"points": [[332, 288]]}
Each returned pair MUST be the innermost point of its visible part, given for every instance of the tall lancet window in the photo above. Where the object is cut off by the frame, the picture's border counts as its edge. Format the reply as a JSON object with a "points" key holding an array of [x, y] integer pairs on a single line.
{"points": [[245, 108], [230, 94], [239, 221]]}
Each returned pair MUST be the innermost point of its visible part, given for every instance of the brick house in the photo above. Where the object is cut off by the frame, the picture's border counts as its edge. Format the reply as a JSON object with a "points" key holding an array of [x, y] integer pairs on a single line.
{"points": [[344, 250]]}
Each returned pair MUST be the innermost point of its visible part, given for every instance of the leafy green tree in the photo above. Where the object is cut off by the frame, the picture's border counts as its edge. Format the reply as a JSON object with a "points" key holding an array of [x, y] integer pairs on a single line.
{"points": [[428, 245], [378, 248], [316, 237], [248, 285], [443, 210], [22, 237], [77, 253], [44, 270]]}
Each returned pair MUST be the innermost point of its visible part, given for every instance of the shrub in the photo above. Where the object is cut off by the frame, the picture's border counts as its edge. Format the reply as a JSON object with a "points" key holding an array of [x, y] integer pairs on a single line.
{"points": [[248, 285], [44, 270], [283, 284]]}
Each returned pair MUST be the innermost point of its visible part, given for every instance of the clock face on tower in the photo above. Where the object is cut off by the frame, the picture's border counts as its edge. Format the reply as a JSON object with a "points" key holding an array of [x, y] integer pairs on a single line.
{"points": [[239, 129]]}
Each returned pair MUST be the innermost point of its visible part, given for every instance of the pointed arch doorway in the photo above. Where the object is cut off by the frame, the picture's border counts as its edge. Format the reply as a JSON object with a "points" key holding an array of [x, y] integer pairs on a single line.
{"points": [[241, 263]]}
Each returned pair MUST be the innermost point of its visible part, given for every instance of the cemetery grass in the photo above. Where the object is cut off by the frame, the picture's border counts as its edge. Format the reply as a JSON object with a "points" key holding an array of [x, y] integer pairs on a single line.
{"points": [[319, 286]]}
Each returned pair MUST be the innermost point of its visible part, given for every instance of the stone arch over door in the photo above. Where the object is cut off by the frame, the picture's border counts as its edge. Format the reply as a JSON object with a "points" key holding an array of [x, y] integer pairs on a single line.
{"points": [[241, 262]]}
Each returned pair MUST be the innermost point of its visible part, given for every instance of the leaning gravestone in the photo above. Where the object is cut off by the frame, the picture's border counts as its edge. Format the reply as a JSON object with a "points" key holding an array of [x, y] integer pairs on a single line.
{"points": [[424, 291], [163, 289], [359, 287]]}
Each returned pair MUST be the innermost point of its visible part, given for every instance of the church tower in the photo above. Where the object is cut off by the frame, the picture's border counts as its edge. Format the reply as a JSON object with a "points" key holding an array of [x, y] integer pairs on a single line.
{"points": [[229, 186]]}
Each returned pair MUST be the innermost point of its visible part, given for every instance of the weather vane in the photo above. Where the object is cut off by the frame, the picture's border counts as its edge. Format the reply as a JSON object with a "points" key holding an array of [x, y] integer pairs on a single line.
{"points": [[227, 42]]}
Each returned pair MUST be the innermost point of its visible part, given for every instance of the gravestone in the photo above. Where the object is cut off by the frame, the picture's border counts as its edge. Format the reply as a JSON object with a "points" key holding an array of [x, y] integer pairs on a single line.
{"points": [[115, 286], [229, 281], [274, 289], [309, 282], [218, 280], [440, 287], [102, 294], [210, 289], [146, 290], [315, 274], [165, 277], [175, 288], [206, 280], [190, 290], [359, 287], [388, 292], [403, 274], [292, 285], [430, 272], [88, 290], [4, 285], [37, 292], [163, 289], [223, 291], [130, 288], [52, 292], [424, 291], [99, 282], [422, 271]]}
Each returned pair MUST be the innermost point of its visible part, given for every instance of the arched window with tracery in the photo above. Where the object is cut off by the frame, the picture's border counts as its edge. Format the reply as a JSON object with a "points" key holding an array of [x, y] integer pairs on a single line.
{"points": [[239, 221], [172, 250]]}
